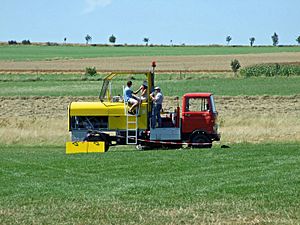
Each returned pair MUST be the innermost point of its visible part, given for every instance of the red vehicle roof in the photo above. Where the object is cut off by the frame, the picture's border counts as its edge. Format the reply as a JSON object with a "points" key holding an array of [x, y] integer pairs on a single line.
{"points": [[197, 95]]}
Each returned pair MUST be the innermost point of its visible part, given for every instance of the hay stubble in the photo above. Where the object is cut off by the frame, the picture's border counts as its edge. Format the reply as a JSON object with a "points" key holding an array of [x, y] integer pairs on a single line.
{"points": [[43, 120]]}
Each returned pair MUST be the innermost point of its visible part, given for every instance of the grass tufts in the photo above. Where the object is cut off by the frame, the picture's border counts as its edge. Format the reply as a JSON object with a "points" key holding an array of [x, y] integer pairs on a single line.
{"points": [[271, 70]]}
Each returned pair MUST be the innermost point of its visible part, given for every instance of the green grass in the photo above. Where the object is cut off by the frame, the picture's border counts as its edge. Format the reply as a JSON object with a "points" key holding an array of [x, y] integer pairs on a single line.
{"points": [[172, 85], [246, 184], [60, 52]]}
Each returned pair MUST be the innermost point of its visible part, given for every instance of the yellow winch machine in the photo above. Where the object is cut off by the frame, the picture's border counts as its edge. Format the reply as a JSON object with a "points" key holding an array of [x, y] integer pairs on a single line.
{"points": [[109, 116]]}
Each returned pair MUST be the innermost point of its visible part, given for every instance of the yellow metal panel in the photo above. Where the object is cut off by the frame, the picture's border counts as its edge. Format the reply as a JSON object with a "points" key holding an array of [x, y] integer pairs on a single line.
{"points": [[119, 122], [117, 118], [76, 147], [97, 146], [88, 109]]}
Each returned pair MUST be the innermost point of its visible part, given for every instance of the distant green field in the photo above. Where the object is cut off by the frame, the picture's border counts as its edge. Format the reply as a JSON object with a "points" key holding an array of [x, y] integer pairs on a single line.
{"points": [[246, 184], [60, 52], [172, 85]]}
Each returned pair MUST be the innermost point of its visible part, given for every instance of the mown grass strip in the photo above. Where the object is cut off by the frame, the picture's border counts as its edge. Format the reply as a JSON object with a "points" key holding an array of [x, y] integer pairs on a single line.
{"points": [[243, 184], [21, 52], [171, 84]]}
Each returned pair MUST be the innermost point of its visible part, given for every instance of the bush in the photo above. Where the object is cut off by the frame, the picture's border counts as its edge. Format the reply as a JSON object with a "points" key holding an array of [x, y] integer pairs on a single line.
{"points": [[90, 71], [12, 42], [271, 70], [26, 42], [52, 43], [235, 65]]}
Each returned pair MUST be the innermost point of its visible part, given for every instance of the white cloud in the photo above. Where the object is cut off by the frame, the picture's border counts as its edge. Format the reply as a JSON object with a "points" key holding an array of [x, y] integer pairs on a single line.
{"points": [[91, 5]]}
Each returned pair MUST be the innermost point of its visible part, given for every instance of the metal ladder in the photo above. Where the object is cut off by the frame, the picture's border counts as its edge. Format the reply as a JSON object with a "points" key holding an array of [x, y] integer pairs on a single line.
{"points": [[131, 129], [131, 125]]}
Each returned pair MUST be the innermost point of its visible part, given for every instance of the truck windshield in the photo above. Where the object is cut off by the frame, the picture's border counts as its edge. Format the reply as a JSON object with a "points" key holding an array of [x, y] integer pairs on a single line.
{"points": [[213, 107]]}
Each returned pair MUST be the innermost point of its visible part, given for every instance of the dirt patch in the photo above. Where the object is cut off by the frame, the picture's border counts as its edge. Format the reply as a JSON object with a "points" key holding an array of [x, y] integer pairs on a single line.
{"points": [[202, 63]]}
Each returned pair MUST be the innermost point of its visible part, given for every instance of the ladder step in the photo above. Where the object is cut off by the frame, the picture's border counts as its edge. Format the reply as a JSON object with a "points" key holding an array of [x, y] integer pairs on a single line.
{"points": [[132, 122]]}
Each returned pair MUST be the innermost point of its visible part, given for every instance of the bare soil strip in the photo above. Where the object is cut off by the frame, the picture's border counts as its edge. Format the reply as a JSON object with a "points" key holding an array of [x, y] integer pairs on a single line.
{"points": [[38, 120], [213, 63]]}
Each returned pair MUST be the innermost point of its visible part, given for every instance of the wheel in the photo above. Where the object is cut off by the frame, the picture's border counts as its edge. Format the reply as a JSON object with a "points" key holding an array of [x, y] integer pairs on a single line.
{"points": [[106, 142], [172, 146], [201, 141]]}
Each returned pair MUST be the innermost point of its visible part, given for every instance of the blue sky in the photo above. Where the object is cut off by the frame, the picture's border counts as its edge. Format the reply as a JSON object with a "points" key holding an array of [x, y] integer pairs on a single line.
{"points": [[189, 21]]}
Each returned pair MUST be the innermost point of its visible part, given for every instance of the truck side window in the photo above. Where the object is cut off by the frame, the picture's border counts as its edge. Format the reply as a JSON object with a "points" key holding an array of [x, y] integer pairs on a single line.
{"points": [[198, 104]]}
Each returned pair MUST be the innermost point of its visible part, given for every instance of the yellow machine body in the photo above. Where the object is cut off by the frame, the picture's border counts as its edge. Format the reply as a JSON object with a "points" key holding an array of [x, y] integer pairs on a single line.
{"points": [[115, 111], [108, 119]]}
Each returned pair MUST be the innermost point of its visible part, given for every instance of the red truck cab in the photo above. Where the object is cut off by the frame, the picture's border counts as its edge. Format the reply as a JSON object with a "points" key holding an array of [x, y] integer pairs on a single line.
{"points": [[199, 118]]}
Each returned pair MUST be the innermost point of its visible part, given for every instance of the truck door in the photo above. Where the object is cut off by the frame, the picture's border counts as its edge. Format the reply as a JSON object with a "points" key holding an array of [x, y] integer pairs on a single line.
{"points": [[196, 114]]}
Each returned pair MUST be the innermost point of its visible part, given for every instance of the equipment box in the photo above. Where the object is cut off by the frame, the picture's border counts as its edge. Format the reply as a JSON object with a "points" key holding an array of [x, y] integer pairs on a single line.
{"points": [[97, 146], [84, 147]]}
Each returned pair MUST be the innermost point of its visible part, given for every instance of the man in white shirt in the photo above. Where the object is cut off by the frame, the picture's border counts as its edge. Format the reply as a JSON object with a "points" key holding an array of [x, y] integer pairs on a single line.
{"points": [[157, 100]]}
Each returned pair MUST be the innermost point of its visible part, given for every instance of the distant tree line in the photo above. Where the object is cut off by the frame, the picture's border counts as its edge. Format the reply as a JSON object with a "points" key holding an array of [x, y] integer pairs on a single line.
{"points": [[112, 39], [24, 42], [274, 37]]}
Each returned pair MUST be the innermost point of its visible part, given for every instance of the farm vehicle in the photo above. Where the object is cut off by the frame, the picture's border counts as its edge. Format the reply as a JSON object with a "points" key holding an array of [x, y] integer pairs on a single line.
{"points": [[95, 126]]}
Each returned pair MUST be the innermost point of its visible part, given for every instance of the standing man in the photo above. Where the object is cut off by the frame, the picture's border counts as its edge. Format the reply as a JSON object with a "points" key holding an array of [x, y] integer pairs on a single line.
{"points": [[157, 100], [130, 98]]}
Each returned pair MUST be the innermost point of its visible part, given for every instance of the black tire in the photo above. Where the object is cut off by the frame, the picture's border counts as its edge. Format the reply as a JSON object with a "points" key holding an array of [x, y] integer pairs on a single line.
{"points": [[201, 141], [106, 142], [172, 146]]}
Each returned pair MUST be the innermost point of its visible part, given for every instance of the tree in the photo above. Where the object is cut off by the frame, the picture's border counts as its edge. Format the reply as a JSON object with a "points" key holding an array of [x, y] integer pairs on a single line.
{"points": [[235, 65], [90, 71], [228, 39], [26, 42], [252, 39], [146, 40], [112, 39], [275, 39], [298, 40], [88, 38]]}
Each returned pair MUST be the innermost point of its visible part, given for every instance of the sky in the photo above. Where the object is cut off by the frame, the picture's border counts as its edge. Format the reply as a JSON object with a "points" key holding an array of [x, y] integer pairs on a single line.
{"points": [[199, 22]]}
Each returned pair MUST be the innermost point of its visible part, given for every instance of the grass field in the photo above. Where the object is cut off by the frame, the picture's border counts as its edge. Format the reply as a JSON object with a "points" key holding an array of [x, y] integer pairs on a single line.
{"points": [[20, 53], [246, 184], [172, 85]]}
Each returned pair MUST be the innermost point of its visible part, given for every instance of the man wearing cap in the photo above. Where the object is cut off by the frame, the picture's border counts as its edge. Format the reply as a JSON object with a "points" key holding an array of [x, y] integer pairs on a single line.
{"points": [[157, 100]]}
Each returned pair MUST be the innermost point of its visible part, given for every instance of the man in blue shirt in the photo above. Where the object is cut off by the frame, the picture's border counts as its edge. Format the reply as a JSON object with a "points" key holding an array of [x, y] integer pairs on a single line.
{"points": [[130, 97]]}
